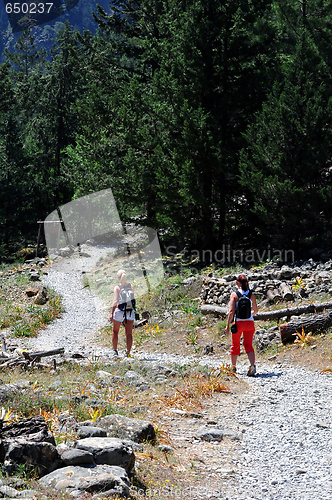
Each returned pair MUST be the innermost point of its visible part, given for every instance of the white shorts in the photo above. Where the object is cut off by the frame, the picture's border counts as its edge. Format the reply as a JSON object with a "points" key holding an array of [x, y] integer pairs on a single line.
{"points": [[119, 315]]}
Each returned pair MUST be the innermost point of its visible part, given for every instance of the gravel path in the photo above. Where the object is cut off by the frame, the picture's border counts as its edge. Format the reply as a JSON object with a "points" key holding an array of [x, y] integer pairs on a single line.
{"points": [[287, 440], [84, 315], [285, 418]]}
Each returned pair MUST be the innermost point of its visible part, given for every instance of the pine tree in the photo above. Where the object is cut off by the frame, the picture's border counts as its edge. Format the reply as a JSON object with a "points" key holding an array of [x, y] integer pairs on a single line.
{"points": [[286, 165], [175, 100]]}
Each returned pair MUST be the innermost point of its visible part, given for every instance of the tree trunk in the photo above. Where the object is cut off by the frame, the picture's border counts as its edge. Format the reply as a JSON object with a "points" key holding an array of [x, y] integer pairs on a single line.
{"points": [[219, 311], [293, 311], [286, 292], [279, 313], [273, 295], [313, 323]]}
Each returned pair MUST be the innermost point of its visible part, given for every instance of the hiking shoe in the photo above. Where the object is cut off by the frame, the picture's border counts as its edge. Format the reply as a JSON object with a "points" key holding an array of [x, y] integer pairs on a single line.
{"points": [[127, 354], [233, 369], [252, 371], [115, 352]]}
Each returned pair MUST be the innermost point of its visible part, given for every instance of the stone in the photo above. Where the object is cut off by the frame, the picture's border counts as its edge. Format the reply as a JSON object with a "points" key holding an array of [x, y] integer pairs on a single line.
{"points": [[210, 434], [42, 457], [104, 478], [34, 276], [109, 451], [188, 281], [30, 443], [65, 251], [32, 429], [77, 457], [86, 431], [32, 291], [134, 379], [41, 297], [104, 378], [7, 390], [208, 349], [8, 491], [128, 428]]}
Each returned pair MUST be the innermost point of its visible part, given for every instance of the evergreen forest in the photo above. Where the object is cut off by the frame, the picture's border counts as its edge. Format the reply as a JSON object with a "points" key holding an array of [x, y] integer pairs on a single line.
{"points": [[210, 120]]}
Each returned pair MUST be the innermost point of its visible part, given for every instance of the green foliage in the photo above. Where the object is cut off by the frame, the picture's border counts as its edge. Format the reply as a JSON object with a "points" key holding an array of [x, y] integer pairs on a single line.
{"points": [[286, 164], [22, 317], [163, 110], [205, 119]]}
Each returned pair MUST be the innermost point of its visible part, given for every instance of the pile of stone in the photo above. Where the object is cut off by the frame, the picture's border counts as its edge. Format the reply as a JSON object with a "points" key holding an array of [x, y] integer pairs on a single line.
{"points": [[273, 283], [100, 461]]}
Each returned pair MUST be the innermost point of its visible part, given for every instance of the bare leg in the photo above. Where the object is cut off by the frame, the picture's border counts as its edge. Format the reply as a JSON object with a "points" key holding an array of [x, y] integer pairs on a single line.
{"points": [[129, 334], [234, 358], [251, 357], [115, 334]]}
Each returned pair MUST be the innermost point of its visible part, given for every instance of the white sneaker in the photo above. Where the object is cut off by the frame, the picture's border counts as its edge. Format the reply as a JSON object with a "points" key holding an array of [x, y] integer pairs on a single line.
{"points": [[252, 371]]}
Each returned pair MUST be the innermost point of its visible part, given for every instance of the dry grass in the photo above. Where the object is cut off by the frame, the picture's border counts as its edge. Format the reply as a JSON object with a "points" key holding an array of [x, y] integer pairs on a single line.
{"points": [[18, 314]]}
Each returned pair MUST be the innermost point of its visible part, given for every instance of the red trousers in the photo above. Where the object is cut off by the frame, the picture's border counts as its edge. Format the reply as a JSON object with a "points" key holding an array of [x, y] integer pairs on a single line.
{"points": [[247, 328]]}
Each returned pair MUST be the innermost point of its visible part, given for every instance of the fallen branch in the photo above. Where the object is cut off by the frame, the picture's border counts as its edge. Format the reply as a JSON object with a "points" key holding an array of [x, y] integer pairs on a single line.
{"points": [[294, 311], [32, 356], [217, 310], [277, 314]]}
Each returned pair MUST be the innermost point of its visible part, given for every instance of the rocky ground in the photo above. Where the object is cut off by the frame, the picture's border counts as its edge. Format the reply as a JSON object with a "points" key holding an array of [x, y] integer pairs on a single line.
{"points": [[270, 438]]}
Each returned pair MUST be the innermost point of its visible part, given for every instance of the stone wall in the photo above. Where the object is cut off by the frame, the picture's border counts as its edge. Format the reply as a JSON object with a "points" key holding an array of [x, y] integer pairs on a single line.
{"points": [[309, 278]]}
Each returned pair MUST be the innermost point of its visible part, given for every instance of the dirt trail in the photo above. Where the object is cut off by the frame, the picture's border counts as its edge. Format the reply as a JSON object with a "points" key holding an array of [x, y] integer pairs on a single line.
{"points": [[84, 315]]}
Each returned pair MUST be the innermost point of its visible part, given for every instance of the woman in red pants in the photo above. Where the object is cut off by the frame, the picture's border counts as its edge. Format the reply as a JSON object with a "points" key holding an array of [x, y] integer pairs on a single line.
{"points": [[242, 307]]}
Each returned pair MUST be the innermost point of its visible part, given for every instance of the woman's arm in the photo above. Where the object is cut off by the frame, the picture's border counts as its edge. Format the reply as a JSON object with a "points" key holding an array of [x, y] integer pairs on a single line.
{"points": [[232, 305], [254, 304], [116, 296]]}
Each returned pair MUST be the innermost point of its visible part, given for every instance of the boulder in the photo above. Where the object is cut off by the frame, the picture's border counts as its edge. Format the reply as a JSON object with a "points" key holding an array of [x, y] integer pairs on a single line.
{"points": [[109, 451], [30, 443], [128, 428], [41, 457], [78, 480]]}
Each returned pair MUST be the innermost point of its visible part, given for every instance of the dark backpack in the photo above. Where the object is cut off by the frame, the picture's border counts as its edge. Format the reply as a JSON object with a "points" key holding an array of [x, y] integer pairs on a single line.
{"points": [[126, 298], [243, 310]]}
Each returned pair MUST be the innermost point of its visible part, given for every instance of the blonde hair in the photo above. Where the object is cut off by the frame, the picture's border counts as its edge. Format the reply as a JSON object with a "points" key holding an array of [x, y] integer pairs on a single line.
{"points": [[122, 276]]}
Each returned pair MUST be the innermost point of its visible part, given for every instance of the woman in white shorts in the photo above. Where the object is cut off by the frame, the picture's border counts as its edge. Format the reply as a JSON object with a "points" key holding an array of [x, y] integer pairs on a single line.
{"points": [[119, 316]]}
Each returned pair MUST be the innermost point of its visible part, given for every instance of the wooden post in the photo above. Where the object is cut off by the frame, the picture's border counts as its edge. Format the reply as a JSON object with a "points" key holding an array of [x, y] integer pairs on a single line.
{"points": [[38, 237]]}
